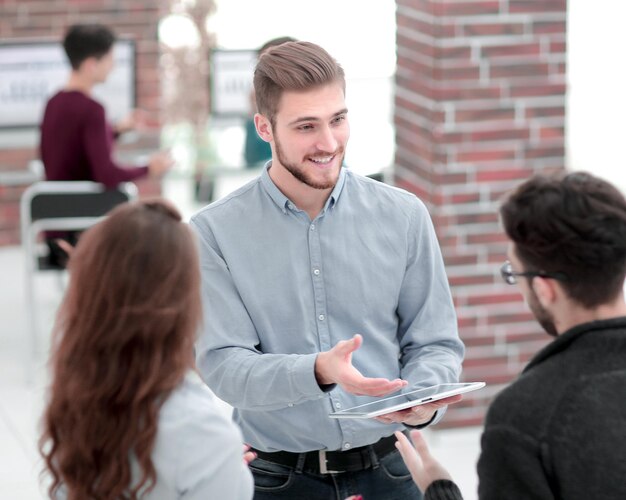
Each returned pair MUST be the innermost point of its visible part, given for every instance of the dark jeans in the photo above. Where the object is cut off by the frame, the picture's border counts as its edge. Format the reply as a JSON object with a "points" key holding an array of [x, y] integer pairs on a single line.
{"points": [[388, 480]]}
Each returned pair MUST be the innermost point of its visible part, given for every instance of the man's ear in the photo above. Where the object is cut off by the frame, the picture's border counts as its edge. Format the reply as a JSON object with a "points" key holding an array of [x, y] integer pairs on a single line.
{"points": [[545, 289], [263, 127]]}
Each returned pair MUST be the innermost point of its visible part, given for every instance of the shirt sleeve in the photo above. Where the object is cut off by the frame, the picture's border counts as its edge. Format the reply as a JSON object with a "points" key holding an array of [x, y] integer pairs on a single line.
{"points": [[431, 350], [229, 355], [98, 151]]}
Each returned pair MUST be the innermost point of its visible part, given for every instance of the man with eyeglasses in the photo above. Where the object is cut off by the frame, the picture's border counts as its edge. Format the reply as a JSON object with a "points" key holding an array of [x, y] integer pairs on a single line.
{"points": [[559, 431]]}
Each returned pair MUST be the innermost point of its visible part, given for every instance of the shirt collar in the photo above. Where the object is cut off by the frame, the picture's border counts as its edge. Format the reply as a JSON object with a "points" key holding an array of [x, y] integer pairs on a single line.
{"points": [[283, 202]]}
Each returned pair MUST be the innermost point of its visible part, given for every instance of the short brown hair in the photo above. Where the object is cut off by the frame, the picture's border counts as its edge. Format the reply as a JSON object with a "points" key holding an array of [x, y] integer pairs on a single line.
{"points": [[573, 224], [292, 66]]}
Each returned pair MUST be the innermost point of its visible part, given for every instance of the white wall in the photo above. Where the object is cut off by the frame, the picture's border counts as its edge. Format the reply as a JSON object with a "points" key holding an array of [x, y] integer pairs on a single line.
{"points": [[360, 35], [596, 72]]}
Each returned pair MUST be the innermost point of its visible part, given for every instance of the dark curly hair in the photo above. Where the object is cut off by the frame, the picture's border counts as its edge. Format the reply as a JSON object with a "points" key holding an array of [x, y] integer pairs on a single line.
{"points": [[573, 224], [123, 341]]}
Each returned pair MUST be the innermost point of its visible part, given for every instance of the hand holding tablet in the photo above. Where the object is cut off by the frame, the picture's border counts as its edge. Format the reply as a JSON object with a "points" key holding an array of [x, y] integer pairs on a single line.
{"points": [[406, 400]]}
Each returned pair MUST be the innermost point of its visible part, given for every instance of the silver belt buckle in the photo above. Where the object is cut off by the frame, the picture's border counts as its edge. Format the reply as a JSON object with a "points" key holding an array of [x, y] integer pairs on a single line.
{"points": [[323, 468]]}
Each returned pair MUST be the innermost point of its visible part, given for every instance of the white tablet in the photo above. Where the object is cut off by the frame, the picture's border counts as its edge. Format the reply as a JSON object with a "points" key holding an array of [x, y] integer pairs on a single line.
{"points": [[406, 400]]}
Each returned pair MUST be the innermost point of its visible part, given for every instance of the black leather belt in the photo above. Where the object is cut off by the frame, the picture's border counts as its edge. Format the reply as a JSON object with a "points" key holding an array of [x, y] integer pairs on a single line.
{"points": [[333, 462]]}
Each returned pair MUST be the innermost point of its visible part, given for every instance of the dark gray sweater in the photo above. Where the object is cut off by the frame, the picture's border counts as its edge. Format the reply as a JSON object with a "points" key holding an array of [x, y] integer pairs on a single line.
{"points": [[559, 431]]}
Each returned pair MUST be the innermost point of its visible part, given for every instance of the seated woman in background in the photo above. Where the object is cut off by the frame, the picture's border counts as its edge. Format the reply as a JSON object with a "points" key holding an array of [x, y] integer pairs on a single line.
{"points": [[127, 417]]}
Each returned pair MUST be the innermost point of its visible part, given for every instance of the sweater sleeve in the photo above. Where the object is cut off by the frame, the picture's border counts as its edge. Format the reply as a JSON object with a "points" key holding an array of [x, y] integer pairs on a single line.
{"points": [[443, 489], [511, 466], [98, 150]]}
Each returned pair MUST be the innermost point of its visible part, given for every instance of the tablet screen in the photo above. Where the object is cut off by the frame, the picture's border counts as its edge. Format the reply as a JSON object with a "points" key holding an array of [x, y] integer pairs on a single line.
{"points": [[406, 400]]}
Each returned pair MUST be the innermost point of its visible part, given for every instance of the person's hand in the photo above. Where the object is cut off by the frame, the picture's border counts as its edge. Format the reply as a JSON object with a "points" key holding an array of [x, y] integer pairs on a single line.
{"points": [[423, 467], [136, 119], [248, 456], [418, 415], [335, 367], [66, 246], [160, 163]]}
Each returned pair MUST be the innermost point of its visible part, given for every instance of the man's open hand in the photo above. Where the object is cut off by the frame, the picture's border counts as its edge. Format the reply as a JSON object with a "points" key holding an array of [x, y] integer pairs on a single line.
{"points": [[335, 367]]}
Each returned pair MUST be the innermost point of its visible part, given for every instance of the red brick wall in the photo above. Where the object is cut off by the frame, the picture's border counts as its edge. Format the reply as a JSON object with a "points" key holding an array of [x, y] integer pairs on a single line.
{"points": [[49, 18], [480, 106]]}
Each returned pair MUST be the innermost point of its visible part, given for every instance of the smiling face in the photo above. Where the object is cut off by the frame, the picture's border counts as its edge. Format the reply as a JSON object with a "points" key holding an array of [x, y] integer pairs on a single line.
{"points": [[308, 136]]}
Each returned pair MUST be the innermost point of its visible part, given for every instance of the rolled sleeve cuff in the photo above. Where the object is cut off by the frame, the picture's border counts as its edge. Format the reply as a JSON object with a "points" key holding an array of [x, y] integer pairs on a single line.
{"points": [[303, 377], [435, 418]]}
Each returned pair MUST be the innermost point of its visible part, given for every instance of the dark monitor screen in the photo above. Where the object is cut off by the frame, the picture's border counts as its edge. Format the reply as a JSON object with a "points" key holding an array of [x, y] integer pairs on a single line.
{"points": [[31, 71]]}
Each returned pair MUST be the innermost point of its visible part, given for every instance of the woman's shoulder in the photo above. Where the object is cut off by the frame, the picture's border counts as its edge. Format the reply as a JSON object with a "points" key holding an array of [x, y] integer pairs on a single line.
{"points": [[191, 400]]}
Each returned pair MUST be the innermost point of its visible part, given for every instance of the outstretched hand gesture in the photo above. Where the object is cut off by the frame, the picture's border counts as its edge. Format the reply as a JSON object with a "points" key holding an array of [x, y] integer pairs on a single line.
{"points": [[335, 367]]}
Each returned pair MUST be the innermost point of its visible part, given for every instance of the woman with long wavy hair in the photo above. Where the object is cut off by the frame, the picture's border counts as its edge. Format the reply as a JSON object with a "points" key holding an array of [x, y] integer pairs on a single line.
{"points": [[127, 417]]}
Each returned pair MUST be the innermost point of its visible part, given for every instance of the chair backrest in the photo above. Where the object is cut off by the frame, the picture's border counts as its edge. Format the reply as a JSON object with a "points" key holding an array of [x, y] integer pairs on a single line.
{"points": [[67, 206], [62, 199], [55, 205]]}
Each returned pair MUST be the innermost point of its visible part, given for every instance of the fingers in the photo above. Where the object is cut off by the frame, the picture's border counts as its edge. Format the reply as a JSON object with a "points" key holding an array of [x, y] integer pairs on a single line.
{"points": [[420, 445], [403, 443], [411, 459], [431, 469], [448, 401], [248, 456], [346, 347], [364, 386], [65, 246], [350, 378]]}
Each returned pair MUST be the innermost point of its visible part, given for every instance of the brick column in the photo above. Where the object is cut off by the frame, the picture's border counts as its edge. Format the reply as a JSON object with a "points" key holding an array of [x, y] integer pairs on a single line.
{"points": [[480, 106], [49, 19]]}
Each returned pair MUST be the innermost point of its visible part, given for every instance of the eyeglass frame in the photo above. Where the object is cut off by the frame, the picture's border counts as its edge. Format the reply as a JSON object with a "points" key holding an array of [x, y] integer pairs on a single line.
{"points": [[509, 276]]}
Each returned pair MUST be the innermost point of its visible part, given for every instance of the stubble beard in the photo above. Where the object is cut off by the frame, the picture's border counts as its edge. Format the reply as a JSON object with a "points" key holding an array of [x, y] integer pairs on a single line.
{"points": [[543, 317], [299, 173]]}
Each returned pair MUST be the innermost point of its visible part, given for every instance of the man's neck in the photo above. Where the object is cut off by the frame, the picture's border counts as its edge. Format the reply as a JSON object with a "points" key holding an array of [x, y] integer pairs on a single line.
{"points": [[305, 197], [78, 81], [576, 315]]}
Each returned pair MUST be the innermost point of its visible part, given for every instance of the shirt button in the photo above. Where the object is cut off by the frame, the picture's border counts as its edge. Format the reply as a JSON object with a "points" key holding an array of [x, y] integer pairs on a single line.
{"points": [[312, 227], [290, 404], [291, 207], [321, 317], [316, 272], [347, 446], [337, 404]]}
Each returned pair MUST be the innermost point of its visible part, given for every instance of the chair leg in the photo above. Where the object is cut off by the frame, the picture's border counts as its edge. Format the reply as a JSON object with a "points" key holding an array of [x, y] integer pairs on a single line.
{"points": [[31, 313]]}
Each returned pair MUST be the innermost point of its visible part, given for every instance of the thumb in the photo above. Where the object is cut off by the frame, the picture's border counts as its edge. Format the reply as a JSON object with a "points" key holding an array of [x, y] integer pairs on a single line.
{"points": [[346, 347]]}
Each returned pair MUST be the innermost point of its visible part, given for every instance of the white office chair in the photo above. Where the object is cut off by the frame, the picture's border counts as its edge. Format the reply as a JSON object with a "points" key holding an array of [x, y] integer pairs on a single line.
{"points": [[60, 206]]}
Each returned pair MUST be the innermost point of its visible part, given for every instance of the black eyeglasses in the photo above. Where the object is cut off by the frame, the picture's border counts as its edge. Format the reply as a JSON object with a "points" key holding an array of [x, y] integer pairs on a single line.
{"points": [[509, 276]]}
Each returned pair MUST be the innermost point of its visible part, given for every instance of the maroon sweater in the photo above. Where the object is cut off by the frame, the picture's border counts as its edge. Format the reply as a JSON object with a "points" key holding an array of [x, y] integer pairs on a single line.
{"points": [[77, 142]]}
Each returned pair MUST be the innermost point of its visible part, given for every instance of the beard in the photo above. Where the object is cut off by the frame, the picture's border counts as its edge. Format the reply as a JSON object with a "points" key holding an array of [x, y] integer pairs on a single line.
{"points": [[300, 173], [543, 317]]}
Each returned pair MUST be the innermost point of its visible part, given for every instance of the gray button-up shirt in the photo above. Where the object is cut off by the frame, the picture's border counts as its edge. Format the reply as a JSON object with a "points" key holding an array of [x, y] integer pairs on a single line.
{"points": [[279, 288]]}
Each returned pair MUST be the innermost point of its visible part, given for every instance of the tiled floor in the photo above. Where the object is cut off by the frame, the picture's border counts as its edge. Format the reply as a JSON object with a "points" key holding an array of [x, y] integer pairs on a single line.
{"points": [[23, 380]]}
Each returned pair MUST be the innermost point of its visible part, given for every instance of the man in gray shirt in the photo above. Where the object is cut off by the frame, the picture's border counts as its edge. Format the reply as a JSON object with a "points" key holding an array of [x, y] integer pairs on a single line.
{"points": [[322, 289]]}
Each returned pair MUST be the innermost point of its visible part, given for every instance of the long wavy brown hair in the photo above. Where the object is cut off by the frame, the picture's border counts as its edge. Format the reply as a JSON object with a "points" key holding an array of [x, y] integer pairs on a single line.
{"points": [[123, 341]]}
